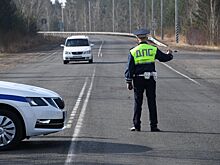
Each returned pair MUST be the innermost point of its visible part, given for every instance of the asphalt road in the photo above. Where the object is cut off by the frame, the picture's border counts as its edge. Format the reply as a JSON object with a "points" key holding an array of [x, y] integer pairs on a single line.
{"points": [[101, 108]]}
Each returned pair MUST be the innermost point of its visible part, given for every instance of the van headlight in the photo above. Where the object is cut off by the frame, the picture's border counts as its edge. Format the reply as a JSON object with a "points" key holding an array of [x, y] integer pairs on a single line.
{"points": [[36, 101], [66, 52], [87, 52]]}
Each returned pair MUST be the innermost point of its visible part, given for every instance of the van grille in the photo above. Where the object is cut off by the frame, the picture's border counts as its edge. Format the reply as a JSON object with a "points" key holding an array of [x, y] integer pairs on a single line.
{"points": [[77, 53]]}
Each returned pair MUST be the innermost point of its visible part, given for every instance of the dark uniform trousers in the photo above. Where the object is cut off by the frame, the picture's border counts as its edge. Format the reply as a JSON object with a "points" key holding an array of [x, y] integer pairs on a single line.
{"points": [[148, 85]]}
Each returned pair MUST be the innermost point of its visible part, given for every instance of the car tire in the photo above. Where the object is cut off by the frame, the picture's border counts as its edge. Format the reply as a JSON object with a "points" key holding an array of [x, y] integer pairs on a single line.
{"points": [[91, 61], [10, 129], [65, 62]]}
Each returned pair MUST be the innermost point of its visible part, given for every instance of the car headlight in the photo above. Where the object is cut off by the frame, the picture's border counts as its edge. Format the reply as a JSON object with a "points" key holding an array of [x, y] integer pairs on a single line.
{"points": [[36, 101], [87, 52], [66, 52], [51, 102]]}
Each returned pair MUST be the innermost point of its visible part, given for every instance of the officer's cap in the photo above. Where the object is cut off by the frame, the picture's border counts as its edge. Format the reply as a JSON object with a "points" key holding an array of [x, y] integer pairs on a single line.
{"points": [[140, 33]]}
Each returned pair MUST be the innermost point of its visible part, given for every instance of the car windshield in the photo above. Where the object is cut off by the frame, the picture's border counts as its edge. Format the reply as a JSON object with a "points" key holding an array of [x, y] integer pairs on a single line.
{"points": [[77, 42]]}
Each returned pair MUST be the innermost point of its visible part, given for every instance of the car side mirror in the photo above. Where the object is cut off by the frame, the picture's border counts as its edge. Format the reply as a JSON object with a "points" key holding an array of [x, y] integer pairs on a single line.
{"points": [[91, 45], [62, 45]]}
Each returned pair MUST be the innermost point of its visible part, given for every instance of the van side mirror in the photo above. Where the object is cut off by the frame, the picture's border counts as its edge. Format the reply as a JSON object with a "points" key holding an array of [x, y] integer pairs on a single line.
{"points": [[91, 45], [62, 45]]}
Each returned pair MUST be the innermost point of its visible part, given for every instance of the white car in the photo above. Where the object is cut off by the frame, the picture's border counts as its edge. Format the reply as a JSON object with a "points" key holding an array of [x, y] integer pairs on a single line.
{"points": [[77, 48], [27, 111]]}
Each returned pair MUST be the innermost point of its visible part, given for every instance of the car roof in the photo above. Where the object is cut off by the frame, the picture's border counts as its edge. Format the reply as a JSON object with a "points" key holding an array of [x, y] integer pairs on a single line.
{"points": [[78, 37]]}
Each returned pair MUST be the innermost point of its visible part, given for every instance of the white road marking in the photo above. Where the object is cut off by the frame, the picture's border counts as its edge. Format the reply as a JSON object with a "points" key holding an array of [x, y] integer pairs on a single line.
{"points": [[73, 113], [100, 48], [196, 82], [71, 152], [48, 55]]}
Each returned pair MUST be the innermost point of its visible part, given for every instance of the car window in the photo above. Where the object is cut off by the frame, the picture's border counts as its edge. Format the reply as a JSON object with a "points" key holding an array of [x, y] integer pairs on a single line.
{"points": [[77, 42]]}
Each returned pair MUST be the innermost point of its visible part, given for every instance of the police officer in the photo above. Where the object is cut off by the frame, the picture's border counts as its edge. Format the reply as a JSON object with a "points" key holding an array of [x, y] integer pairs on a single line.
{"points": [[141, 75]]}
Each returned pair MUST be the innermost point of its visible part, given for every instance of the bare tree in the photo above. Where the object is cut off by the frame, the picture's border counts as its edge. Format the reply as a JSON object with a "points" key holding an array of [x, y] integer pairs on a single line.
{"points": [[202, 14]]}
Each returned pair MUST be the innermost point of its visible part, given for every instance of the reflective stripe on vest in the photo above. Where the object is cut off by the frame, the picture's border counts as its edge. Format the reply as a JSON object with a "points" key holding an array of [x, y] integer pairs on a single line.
{"points": [[144, 54]]}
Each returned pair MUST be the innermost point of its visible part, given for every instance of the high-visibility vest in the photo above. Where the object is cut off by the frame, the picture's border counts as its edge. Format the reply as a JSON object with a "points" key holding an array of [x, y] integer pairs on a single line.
{"points": [[144, 54]]}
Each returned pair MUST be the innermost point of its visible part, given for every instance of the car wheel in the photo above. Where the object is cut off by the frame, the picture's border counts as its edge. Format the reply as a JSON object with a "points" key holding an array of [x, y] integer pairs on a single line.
{"points": [[10, 129], [65, 62], [91, 61]]}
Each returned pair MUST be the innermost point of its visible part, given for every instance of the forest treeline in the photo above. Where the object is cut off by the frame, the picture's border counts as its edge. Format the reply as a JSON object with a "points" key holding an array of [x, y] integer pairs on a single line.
{"points": [[199, 20]]}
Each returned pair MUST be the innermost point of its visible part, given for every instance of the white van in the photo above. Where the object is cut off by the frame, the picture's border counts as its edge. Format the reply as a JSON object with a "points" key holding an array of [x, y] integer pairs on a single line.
{"points": [[77, 48]]}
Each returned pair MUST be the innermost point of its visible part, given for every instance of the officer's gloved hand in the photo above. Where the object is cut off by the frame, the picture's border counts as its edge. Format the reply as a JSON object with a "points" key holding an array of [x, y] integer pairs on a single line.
{"points": [[129, 86]]}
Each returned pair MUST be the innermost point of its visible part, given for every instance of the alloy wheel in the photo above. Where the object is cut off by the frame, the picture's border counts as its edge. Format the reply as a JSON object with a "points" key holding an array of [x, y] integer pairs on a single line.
{"points": [[7, 130]]}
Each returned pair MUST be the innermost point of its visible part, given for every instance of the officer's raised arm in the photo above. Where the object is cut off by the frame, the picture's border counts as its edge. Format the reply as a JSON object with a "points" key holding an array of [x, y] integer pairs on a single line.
{"points": [[164, 57]]}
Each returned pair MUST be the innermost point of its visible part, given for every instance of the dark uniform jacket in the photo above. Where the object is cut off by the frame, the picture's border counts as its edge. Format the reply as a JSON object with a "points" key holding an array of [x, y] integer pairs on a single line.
{"points": [[133, 69]]}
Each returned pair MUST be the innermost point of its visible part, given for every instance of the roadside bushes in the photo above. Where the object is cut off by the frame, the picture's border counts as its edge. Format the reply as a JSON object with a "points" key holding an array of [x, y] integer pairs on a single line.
{"points": [[195, 36]]}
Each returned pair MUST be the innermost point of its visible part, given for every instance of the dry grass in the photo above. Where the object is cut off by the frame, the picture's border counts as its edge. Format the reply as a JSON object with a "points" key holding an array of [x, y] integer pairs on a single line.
{"points": [[171, 41], [14, 42]]}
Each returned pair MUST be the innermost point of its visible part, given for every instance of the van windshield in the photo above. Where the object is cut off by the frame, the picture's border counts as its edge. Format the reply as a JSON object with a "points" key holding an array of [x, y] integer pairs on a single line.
{"points": [[77, 42]]}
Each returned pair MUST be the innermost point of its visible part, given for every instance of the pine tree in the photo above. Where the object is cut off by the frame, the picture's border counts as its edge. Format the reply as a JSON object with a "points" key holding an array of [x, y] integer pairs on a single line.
{"points": [[7, 15]]}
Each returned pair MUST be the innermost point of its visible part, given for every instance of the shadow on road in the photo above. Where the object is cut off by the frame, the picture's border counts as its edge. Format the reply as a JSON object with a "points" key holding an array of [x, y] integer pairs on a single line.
{"points": [[187, 132], [108, 147], [193, 132], [81, 146]]}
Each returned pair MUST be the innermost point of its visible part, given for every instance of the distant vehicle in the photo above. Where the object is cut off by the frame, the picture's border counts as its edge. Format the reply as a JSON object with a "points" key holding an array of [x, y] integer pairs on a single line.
{"points": [[77, 48], [27, 111]]}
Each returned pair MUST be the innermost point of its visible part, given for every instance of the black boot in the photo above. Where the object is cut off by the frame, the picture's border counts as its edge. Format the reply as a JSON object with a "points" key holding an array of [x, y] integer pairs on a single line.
{"points": [[155, 129]]}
